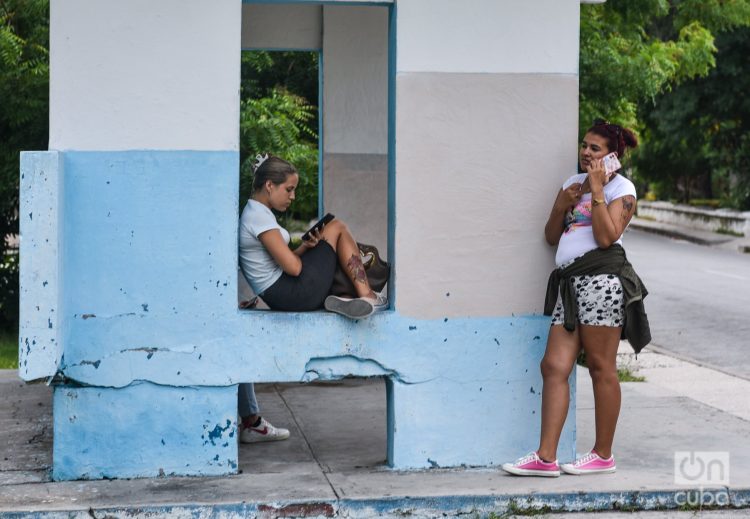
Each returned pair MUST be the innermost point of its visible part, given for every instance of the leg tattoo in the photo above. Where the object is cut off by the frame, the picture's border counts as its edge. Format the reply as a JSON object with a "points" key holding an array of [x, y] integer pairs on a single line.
{"points": [[356, 269]]}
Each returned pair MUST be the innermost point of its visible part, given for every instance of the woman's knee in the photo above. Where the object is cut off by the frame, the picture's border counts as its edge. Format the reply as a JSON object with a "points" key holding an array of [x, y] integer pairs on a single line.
{"points": [[335, 229], [555, 368], [601, 370]]}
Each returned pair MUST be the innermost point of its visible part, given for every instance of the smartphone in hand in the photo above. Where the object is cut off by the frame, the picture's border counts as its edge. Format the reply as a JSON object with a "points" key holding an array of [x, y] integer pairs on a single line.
{"points": [[611, 163], [318, 226]]}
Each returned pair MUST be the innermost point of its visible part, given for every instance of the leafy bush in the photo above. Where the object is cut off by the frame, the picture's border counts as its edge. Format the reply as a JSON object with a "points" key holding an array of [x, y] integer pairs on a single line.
{"points": [[277, 121], [275, 125], [24, 102]]}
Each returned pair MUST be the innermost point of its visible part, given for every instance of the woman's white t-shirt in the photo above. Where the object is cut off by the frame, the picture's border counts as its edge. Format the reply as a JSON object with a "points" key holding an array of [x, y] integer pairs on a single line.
{"points": [[258, 266], [578, 237]]}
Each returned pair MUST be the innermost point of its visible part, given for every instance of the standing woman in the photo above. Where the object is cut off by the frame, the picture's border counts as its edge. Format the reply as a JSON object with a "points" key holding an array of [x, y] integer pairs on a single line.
{"points": [[298, 280], [591, 295]]}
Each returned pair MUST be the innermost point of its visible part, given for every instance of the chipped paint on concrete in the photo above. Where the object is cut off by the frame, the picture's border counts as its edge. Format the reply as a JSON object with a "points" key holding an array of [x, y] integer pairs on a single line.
{"points": [[41, 205], [144, 430], [474, 366], [334, 368], [397, 507]]}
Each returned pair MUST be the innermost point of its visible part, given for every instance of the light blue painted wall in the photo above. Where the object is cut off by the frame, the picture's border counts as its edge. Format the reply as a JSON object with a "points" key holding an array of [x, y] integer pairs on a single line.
{"points": [[41, 203], [144, 430], [152, 233]]}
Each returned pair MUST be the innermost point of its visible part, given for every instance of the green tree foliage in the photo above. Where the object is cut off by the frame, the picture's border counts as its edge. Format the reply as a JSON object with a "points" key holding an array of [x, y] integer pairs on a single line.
{"points": [[632, 50], [650, 65], [277, 116], [698, 137], [24, 101]]}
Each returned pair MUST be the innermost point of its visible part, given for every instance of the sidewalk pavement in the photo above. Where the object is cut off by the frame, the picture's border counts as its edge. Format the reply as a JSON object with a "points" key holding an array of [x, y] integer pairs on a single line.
{"points": [[334, 463]]}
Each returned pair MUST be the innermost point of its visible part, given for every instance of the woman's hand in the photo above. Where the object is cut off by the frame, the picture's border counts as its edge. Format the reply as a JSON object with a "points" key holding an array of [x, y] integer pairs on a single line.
{"points": [[310, 243], [313, 240], [568, 197], [597, 176]]}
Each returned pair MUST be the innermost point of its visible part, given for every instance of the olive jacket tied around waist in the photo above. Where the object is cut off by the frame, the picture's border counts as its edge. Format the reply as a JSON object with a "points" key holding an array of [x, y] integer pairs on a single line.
{"points": [[595, 262]]}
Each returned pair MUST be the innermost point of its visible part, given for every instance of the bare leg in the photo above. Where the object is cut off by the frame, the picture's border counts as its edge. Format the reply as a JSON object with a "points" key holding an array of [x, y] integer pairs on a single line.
{"points": [[337, 234], [559, 360], [600, 344]]}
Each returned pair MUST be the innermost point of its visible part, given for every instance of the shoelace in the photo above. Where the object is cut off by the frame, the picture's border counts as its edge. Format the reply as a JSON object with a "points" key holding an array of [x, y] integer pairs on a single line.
{"points": [[529, 457], [588, 457]]}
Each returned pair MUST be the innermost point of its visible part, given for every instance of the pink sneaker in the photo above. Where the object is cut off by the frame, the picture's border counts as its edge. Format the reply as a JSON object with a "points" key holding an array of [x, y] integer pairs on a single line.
{"points": [[591, 463], [533, 465]]}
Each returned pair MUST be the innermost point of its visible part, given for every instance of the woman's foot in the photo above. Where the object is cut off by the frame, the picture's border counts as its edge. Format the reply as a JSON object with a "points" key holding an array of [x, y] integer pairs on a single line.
{"points": [[353, 308], [378, 300], [533, 465], [590, 463]]}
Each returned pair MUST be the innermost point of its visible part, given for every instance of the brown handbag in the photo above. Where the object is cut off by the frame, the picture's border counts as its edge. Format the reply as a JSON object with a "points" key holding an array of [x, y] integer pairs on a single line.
{"points": [[378, 272]]}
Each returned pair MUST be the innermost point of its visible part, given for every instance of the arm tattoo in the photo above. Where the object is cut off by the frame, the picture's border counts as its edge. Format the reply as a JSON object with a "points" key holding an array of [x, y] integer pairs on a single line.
{"points": [[356, 269], [628, 203]]}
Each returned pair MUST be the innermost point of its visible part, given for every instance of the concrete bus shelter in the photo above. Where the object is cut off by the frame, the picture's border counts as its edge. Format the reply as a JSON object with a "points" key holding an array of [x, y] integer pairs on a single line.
{"points": [[447, 128]]}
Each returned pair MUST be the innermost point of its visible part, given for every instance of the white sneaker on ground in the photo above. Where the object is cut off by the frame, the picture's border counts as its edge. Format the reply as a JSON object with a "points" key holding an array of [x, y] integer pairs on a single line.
{"points": [[590, 463], [263, 432], [533, 465]]}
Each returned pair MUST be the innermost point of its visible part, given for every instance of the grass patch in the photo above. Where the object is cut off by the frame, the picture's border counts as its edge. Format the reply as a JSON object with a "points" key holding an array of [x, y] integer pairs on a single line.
{"points": [[729, 232], [8, 350], [625, 375], [710, 203]]}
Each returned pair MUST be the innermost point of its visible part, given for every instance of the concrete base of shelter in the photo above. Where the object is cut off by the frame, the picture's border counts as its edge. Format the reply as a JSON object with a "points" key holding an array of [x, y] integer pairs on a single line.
{"points": [[144, 430], [149, 430]]}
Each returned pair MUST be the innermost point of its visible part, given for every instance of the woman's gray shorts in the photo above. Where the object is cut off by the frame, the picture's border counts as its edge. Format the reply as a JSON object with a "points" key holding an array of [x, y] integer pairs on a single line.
{"points": [[598, 299]]}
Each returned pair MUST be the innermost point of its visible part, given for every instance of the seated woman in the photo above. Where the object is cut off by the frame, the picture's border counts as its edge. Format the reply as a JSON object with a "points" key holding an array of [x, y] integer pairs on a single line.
{"points": [[298, 280]]}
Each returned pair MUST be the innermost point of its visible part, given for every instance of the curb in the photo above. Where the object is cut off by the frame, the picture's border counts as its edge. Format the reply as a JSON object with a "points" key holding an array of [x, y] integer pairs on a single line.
{"points": [[719, 498], [674, 232]]}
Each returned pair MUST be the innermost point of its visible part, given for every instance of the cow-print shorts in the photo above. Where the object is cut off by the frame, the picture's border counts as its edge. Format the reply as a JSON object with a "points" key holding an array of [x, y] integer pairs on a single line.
{"points": [[599, 301]]}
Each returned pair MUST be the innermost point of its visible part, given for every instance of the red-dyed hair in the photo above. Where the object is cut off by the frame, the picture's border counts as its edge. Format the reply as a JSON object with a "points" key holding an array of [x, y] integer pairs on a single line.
{"points": [[618, 138]]}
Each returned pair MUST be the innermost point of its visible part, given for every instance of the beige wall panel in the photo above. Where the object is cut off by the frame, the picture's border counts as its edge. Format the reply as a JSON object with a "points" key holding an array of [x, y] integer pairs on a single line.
{"points": [[285, 26], [479, 159], [356, 191], [355, 79]]}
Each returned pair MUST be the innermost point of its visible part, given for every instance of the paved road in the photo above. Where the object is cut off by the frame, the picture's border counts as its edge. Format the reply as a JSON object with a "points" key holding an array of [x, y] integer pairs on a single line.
{"points": [[699, 299]]}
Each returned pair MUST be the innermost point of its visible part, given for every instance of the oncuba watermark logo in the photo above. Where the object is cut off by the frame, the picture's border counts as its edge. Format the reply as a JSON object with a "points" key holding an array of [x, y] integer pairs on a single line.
{"points": [[702, 469]]}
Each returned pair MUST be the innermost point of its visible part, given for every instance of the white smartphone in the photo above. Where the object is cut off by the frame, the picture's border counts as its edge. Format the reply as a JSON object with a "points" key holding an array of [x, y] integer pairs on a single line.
{"points": [[611, 163]]}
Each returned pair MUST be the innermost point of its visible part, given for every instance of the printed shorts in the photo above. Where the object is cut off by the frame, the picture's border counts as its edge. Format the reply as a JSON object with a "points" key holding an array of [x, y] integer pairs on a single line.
{"points": [[599, 301]]}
